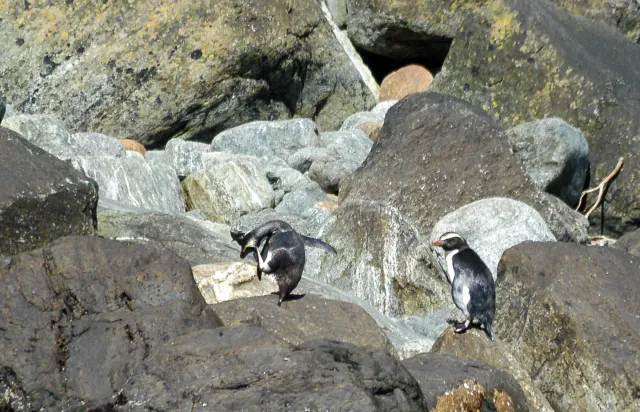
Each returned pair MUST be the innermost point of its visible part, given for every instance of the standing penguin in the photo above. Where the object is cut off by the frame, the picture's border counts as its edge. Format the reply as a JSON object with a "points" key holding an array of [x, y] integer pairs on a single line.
{"points": [[283, 253], [472, 284]]}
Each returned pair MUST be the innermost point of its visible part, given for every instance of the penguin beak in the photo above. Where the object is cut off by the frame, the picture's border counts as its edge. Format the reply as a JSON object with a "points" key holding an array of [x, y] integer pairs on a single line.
{"points": [[249, 245], [437, 243]]}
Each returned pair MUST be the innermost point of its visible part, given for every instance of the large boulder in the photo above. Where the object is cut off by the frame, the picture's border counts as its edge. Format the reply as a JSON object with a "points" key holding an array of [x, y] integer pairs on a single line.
{"points": [[228, 190], [474, 344], [492, 226], [555, 156], [41, 197], [223, 281], [307, 318], [80, 316], [142, 71], [524, 60], [134, 181], [630, 242], [46, 132], [439, 375], [185, 156], [183, 236], [570, 314]]}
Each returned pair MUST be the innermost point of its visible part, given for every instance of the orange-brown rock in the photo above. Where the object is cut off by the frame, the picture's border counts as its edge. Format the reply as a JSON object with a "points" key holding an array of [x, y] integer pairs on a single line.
{"points": [[405, 81], [371, 129], [133, 145]]}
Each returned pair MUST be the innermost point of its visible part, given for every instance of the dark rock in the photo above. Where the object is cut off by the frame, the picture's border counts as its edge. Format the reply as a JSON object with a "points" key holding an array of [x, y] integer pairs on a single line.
{"points": [[437, 373], [3, 109], [571, 316], [474, 344], [41, 198], [183, 236], [80, 316], [310, 317], [620, 15], [182, 73], [630, 242], [525, 60]]}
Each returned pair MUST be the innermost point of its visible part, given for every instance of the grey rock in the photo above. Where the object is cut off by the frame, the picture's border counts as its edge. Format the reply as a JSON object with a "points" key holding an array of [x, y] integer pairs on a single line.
{"points": [[383, 107], [9, 111], [41, 197], [555, 156], [264, 138], [220, 229], [3, 109], [156, 157], [281, 175], [190, 240], [81, 315], [302, 159], [630, 242], [46, 132], [185, 156], [492, 226], [566, 224], [246, 223], [96, 144], [439, 375], [226, 191], [134, 181], [302, 199], [195, 214], [338, 10], [280, 62], [354, 121], [573, 309]]}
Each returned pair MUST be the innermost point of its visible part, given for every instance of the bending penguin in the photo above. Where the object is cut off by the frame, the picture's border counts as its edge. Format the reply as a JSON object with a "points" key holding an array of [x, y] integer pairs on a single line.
{"points": [[283, 254], [472, 284]]}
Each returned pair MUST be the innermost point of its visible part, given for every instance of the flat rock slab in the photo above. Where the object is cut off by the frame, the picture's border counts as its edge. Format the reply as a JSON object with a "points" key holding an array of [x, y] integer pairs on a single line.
{"points": [[41, 197], [440, 374], [306, 318], [571, 315]]}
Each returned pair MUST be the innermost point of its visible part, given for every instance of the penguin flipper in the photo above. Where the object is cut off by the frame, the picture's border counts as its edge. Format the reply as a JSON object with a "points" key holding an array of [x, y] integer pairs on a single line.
{"points": [[259, 272], [317, 243]]}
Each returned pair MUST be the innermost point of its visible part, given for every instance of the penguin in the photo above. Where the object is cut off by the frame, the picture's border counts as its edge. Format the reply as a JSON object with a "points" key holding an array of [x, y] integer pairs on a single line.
{"points": [[282, 255], [472, 285]]}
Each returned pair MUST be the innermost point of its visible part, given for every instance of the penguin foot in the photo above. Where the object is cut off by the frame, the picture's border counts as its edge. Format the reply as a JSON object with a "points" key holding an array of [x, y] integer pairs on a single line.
{"points": [[462, 326], [452, 321]]}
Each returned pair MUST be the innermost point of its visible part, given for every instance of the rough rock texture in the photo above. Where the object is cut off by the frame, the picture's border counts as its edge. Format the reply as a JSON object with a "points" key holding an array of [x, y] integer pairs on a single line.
{"points": [[302, 199], [97, 144], [381, 259], [571, 315], [181, 235], [555, 156], [185, 156], [228, 190], [41, 197], [630, 242], [3, 109], [46, 132], [377, 114], [437, 373], [264, 138], [80, 316], [307, 318], [621, 15], [131, 145], [246, 223], [492, 226], [405, 81], [220, 282], [371, 129], [523, 60], [156, 68], [134, 181], [474, 344]]}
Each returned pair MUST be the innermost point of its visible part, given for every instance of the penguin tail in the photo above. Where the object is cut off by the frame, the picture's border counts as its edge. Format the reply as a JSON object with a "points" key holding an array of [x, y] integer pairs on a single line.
{"points": [[317, 243]]}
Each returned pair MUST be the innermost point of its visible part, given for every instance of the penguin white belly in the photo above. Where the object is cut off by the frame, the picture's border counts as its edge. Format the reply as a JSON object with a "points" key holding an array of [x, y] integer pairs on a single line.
{"points": [[462, 297], [264, 264], [451, 273]]}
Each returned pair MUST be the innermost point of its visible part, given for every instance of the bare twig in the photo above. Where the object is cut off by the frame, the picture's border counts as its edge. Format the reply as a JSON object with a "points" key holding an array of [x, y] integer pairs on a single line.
{"points": [[601, 188]]}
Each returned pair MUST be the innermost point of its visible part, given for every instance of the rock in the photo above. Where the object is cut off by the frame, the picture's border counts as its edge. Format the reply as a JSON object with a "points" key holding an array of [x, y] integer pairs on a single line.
{"points": [[491, 226], [3, 107], [338, 10], [187, 239], [555, 156], [190, 74], [185, 156], [630, 242], [548, 63], [438, 374], [371, 129], [566, 224], [441, 146], [220, 229], [81, 316], [317, 375], [228, 190], [133, 145], [223, 281], [302, 199], [97, 144], [302, 159], [246, 223], [355, 120], [474, 344], [280, 139], [571, 316], [46, 132], [41, 197], [382, 108], [308, 318], [405, 81], [382, 259], [134, 181], [620, 15]]}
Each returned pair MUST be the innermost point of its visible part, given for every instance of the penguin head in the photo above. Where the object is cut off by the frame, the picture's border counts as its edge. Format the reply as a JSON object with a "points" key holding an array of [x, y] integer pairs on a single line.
{"points": [[249, 243], [450, 241]]}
